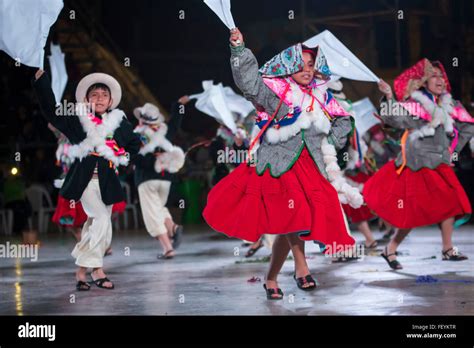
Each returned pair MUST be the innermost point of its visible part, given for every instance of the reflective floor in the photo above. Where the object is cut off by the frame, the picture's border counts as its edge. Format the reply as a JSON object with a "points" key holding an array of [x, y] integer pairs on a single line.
{"points": [[209, 276]]}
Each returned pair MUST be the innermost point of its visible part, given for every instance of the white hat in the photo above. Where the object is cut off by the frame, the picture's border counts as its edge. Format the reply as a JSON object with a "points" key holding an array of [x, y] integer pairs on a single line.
{"points": [[149, 114], [109, 81]]}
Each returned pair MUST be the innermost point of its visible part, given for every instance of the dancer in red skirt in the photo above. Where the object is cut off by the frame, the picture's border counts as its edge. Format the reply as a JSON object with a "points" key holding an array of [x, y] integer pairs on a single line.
{"points": [[293, 186], [420, 187]]}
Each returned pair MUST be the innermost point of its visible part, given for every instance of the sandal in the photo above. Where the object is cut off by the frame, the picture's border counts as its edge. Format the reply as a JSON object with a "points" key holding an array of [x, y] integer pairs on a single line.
{"points": [[455, 255], [372, 245], [166, 256], [394, 264], [273, 291], [177, 236], [82, 286], [100, 283], [305, 280], [252, 251]]}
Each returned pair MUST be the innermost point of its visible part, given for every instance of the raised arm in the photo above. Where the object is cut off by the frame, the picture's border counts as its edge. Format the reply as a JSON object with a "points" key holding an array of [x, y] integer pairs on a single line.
{"points": [[395, 120], [176, 119], [245, 72], [69, 125]]}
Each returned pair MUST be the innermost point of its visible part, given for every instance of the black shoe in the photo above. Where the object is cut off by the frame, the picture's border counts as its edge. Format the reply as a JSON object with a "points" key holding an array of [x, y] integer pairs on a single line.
{"points": [[100, 283], [372, 245], [177, 237], [82, 286], [273, 291], [252, 251], [394, 264], [455, 255], [166, 256], [300, 282]]}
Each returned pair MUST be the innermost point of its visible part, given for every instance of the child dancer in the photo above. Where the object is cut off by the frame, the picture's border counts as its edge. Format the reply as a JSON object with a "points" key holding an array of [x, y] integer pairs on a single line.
{"points": [[101, 139], [420, 187], [155, 164], [287, 190]]}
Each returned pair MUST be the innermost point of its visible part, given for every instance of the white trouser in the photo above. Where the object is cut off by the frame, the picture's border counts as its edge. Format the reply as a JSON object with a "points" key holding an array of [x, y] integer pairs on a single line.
{"points": [[97, 231], [268, 240], [153, 195]]}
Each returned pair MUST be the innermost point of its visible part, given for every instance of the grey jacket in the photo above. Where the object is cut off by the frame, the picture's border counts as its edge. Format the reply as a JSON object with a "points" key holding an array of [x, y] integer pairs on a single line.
{"points": [[280, 157], [428, 151]]}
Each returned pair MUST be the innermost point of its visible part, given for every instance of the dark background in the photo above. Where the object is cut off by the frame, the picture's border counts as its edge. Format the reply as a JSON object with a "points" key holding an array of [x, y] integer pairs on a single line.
{"points": [[169, 57]]}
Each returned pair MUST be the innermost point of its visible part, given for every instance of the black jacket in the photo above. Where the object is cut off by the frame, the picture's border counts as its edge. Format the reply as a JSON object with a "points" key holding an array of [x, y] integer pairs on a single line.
{"points": [[145, 164], [80, 172]]}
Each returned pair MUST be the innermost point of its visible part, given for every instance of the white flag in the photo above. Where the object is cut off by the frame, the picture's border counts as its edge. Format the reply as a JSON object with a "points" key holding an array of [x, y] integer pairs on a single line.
{"points": [[222, 9], [341, 61], [237, 104], [24, 28], [364, 115], [58, 72], [221, 102]]}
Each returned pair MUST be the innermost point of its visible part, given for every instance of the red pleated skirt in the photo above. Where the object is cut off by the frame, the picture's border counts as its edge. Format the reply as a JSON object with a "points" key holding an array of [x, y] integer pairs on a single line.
{"points": [[356, 215], [413, 199], [246, 205], [74, 215]]}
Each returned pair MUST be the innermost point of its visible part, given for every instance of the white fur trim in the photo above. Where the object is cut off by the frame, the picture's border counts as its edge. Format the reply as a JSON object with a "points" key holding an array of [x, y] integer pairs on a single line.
{"points": [[96, 136], [441, 115], [347, 194], [172, 159], [317, 118], [359, 186], [156, 138]]}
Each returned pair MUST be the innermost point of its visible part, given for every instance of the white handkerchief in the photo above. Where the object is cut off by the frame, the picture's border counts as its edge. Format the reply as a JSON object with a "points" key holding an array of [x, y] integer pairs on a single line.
{"points": [[58, 72], [341, 61], [223, 104], [222, 9], [24, 28], [212, 103], [364, 115]]}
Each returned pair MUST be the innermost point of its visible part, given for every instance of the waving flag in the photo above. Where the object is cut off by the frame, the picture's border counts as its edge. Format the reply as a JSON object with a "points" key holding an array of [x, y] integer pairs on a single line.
{"points": [[24, 28]]}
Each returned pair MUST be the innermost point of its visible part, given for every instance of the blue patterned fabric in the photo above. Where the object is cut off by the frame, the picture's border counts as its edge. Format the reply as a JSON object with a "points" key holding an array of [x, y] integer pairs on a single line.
{"points": [[285, 63], [290, 61]]}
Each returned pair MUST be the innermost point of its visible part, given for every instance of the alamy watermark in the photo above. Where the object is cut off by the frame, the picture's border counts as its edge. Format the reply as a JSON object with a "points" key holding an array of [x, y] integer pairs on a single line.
{"points": [[231, 156], [19, 251], [342, 250]]}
